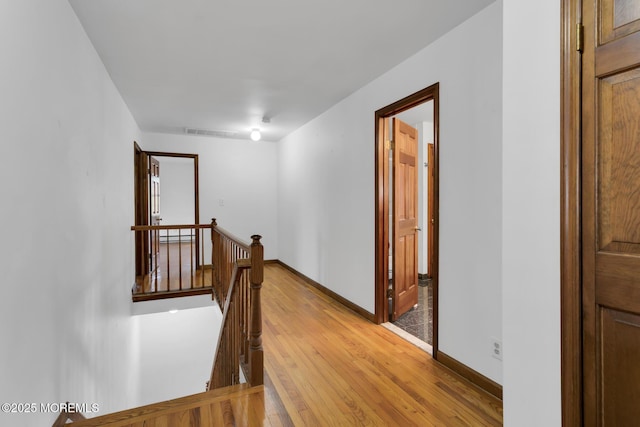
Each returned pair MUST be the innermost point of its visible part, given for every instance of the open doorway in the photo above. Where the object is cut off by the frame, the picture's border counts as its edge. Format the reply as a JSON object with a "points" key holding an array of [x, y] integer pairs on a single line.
{"points": [[166, 201], [407, 216]]}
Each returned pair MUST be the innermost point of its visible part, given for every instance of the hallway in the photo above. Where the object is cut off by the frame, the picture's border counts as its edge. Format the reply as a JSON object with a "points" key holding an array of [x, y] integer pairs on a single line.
{"points": [[326, 365], [330, 366]]}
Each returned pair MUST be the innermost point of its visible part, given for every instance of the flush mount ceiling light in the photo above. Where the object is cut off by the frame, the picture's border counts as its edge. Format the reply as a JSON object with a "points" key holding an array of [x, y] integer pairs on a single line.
{"points": [[255, 135], [173, 311]]}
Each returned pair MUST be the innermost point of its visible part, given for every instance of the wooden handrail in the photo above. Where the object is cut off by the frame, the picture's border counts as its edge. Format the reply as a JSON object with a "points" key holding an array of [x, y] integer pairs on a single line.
{"points": [[168, 227], [224, 233], [238, 274]]}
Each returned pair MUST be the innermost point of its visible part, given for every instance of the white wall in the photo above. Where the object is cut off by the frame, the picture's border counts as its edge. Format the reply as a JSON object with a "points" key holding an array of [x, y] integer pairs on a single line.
{"points": [[326, 187], [177, 190], [531, 212], [66, 260], [238, 183], [177, 349]]}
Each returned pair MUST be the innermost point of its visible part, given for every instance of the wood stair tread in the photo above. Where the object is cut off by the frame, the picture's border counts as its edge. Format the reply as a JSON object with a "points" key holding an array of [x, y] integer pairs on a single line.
{"points": [[174, 409]]}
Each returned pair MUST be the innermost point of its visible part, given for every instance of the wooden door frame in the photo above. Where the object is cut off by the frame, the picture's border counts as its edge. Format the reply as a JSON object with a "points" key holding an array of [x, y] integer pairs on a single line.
{"points": [[570, 214], [430, 202], [141, 209], [381, 315]]}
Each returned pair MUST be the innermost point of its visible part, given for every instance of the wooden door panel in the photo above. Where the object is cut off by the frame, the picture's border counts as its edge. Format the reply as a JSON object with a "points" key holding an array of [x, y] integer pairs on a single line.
{"points": [[619, 18], [619, 163], [611, 212], [620, 367]]}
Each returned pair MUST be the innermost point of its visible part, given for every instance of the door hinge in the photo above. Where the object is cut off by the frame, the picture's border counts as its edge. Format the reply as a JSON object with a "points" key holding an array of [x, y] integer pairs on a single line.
{"points": [[389, 293], [389, 145], [579, 37]]}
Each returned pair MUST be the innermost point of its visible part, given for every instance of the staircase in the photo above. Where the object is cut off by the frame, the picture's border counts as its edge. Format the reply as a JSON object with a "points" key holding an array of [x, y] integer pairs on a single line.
{"points": [[235, 279]]}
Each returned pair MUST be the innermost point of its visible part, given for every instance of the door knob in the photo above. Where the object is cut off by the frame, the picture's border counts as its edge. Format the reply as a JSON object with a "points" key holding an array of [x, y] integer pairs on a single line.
{"points": [[417, 228]]}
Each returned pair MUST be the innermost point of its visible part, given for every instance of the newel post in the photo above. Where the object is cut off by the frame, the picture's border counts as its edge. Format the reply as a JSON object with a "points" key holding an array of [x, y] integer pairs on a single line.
{"points": [[215, 261], [256, 353]]}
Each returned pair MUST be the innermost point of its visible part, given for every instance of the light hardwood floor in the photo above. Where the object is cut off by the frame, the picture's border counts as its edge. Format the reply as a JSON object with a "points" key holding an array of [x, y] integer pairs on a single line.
{"points": [[327, 366]]}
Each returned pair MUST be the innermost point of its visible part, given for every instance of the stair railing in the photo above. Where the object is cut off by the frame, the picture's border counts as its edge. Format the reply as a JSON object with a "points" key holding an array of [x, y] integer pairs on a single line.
{"points": [[175, 261], [238, 272]]}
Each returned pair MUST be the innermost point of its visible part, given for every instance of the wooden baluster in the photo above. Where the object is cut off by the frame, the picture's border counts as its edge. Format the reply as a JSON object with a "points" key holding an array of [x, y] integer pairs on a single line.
{"points": [[256, 353], [213, 265], [227, 261], [234, 348], [247, 318], [180, 257], [155, 260], [192, 264], [223, 269], [199, 235], [166, 237], [201, 264]]}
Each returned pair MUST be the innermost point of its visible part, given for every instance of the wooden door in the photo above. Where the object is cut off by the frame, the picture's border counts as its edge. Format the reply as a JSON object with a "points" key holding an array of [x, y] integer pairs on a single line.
{"points": [[141, 186], [405, 218], [154, 211], [611, 212]]}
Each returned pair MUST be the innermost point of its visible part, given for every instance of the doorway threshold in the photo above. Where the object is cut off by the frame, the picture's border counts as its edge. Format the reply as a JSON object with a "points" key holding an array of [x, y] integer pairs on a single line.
{"points": [[408, 337]]}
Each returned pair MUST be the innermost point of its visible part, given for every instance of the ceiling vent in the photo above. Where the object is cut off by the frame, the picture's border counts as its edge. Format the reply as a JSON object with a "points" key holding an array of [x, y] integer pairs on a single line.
{"points": [[207, 132]]}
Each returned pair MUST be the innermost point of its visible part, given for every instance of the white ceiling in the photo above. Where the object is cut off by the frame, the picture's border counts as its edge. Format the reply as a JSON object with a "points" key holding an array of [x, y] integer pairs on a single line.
{"points": [[223, 65]]}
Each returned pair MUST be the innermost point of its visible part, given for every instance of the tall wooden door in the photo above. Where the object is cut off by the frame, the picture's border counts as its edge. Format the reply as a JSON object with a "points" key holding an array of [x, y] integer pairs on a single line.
{"points": [[154, 210], [141, 209], [611, 212], [405, 218]]}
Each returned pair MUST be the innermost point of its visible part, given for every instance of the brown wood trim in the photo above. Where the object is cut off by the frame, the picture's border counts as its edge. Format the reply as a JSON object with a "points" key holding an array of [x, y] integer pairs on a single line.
{"points": [[271, 261], [348, 304], [476, 378], [196, 180], [196, 189], [141, 207], [172, 294], [570, 214], [169, 227], [435, 273], [170, 154], [381, 245], [381, 220]]}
